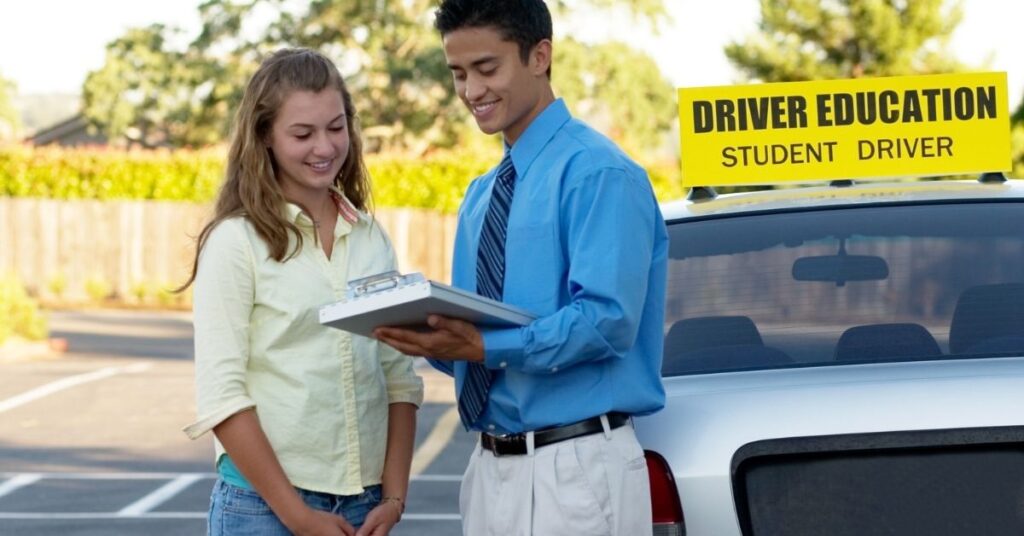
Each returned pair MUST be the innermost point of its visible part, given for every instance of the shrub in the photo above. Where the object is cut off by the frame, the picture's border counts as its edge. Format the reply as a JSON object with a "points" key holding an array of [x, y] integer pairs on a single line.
{"points": [[19, 313], [435, 182], [60, 173], [98, 288], [57, 284], [141, 291]]}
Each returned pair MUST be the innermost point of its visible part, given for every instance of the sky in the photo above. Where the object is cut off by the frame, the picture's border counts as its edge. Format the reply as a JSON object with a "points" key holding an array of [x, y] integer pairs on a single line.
{"points": [[50, 45]]}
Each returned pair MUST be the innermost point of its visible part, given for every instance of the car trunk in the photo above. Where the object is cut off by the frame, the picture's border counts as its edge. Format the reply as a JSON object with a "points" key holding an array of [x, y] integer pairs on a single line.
{"points": [[940, 483]]}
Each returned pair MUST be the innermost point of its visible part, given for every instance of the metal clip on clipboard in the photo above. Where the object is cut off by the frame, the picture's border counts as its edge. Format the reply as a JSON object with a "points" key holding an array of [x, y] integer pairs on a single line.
{"points": [[393, 299], [358, 288]]}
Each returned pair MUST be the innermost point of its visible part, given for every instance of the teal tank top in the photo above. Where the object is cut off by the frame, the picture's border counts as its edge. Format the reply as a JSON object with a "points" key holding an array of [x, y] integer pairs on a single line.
{"points": [[229, 473]]}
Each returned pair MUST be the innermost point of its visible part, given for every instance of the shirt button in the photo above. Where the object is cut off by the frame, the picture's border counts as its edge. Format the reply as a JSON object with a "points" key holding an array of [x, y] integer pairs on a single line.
{"points": [[503, 364], [554, 369], [490, 427]]}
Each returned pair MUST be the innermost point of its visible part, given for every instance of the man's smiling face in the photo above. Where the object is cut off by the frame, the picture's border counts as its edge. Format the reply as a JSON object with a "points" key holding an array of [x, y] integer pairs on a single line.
{"points": [[503, 93]]}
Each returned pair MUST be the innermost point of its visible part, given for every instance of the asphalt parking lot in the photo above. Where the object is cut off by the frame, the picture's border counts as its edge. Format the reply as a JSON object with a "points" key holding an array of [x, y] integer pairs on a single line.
{"points": [[92, 442]]}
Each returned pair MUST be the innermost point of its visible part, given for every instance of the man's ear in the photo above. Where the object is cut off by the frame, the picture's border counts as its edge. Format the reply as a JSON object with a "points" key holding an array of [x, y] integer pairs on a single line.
{"points": [[540, 57]]}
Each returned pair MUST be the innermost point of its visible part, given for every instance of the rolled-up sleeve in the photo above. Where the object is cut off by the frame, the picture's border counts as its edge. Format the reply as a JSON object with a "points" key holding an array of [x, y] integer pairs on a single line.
{"points": [[223, 295], [403, 384]]}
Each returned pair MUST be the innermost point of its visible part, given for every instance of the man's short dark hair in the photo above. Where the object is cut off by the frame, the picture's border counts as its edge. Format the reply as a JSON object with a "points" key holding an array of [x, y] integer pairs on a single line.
{"points": [[524, 22]]}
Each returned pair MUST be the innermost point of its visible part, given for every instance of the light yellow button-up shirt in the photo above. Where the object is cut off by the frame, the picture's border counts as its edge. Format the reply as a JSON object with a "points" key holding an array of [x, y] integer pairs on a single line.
{"points": [[321, 394]]}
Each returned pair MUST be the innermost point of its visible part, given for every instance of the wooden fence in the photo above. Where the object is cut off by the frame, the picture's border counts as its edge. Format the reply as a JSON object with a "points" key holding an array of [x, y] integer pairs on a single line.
{"points": [[134, 251]]}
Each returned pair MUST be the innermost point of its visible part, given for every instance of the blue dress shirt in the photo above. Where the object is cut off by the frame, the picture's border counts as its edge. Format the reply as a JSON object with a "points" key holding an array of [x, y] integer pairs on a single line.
{"points": [[586, 251]]}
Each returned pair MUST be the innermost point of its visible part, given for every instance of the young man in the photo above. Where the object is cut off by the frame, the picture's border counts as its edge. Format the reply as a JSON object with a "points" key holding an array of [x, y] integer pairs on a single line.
{"points": [[567, 227]]}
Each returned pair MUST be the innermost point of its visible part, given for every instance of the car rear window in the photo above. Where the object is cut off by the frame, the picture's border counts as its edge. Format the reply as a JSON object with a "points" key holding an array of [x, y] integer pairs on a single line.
{"points": [[838, 286]]}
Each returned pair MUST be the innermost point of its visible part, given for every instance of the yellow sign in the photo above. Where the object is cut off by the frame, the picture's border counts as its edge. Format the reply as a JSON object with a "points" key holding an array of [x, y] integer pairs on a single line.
{"points": [[844, 129]]}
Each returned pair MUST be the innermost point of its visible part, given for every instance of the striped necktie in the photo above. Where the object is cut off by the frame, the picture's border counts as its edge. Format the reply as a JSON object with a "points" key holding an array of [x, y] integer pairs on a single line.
{"points": [[490, 282]]}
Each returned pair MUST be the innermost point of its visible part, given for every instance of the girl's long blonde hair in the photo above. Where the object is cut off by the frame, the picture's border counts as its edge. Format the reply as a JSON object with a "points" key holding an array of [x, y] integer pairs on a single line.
{"points": [[251, 188]]}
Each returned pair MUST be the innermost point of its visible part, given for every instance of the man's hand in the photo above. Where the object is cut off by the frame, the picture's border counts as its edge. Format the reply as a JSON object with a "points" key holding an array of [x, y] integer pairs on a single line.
{"points": [[450, 339]]}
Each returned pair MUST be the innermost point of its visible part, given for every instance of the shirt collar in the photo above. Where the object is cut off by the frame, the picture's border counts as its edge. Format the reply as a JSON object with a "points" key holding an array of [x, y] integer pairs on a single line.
{"points": [[538, 134], [348, 214]]}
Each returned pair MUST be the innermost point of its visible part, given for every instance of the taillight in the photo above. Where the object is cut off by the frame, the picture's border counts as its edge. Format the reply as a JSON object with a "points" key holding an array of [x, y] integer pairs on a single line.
{"points": [[666, 511]]}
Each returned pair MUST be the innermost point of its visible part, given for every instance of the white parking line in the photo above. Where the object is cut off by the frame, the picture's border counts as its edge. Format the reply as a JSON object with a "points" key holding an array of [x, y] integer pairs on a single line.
{"points": [[111, 476], [171, 476], [142, 508], [436, 478], [48, 516], [18, 481], [436, 441], [98, 515], [433, 517], [159, 496], [66, 383]]}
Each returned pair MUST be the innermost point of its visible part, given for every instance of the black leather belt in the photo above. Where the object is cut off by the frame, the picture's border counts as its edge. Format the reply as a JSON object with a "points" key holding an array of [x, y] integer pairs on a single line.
{"points": [[512, 444]]}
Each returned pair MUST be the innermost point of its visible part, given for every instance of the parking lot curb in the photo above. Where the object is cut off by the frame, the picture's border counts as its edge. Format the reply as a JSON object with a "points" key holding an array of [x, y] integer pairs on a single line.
{"points": [[17, 349]]}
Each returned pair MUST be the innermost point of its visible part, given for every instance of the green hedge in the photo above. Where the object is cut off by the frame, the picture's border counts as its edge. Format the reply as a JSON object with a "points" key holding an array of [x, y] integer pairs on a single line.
{"points": [[19, 314], [434, 182], [110, 174]]}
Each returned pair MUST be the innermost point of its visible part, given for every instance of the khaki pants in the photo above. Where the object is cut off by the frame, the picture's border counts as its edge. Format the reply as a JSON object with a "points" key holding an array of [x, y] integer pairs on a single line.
{"points": [[594, 485]]}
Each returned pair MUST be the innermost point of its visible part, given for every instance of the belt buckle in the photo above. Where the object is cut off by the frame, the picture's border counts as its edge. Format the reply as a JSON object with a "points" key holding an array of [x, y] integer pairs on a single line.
{"points": [[508, 440]]}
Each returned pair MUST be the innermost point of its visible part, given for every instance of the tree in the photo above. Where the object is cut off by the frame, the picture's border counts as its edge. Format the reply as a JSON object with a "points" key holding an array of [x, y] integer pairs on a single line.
{"points": [[151, 95], [10, 122], [811, 40], [619, 89], [387, 50], [1017, 140]]}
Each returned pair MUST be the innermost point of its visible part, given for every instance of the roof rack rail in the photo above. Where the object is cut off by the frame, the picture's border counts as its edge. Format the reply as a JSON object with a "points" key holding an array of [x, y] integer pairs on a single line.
{"points": [[992, 177], [699, 194], [841, 183]]}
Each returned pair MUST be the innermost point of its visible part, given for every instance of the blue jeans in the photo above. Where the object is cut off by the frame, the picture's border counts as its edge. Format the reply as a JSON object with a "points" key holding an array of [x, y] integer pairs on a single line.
{"points": [[238, 511]]}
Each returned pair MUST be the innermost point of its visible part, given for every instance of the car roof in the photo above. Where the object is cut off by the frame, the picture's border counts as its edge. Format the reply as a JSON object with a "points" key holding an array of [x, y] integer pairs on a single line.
{"points": [[796, 198]]}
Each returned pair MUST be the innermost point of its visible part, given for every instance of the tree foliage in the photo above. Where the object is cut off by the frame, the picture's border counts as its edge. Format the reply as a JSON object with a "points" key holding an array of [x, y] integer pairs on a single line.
{"points": [[1017, 140], [620, 90], [10, 123], [153, 93], [811, 39]]}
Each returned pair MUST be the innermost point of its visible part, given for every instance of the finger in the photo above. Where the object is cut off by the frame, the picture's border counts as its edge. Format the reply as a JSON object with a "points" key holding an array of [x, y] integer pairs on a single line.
{"points": [[393, 333], [407, 349], [346, 527], [436, 321], [373, 520], [439, 322], [397, 344], [460, 328], [385, 332], [368, 524], [407, 336]]}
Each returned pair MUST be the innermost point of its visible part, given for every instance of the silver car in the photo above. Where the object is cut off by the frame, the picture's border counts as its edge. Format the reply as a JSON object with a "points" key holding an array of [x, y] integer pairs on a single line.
{"points": [[843, 360]]}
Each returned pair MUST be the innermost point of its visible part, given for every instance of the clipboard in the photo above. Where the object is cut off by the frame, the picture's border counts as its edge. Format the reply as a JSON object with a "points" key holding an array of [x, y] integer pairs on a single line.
{"points": [[393, 299]]}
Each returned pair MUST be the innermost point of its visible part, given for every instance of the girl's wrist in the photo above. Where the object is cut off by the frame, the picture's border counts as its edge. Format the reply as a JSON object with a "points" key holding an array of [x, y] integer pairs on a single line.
{"points": [[397, 502]]}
